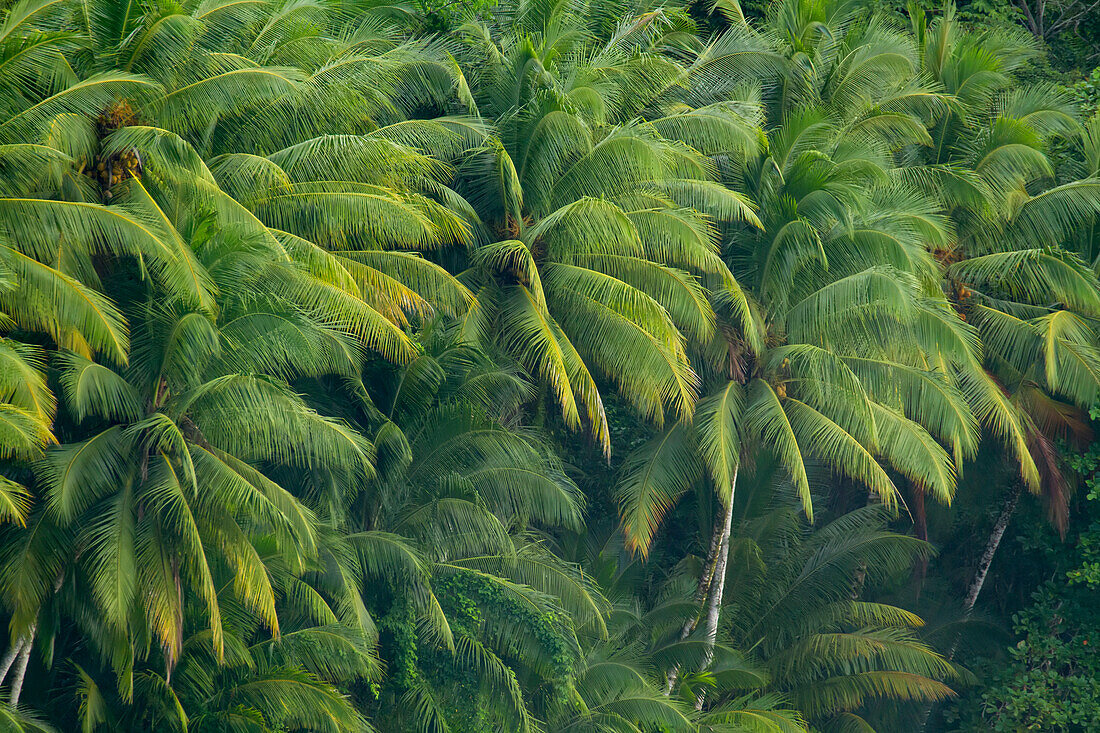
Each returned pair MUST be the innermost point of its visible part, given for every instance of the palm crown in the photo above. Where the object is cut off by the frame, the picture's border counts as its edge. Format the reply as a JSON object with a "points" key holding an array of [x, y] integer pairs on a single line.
{"points": [[603, 191]]}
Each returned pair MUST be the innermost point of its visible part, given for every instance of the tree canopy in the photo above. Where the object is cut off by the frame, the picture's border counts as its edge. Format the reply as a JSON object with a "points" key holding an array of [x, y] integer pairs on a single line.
{"points": [[532, 365]]}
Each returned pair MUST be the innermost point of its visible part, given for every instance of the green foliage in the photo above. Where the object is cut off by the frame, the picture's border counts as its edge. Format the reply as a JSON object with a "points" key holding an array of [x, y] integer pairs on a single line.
{"points": [[1049, 679], [1086, 94], [368, 365], [446, 15]]}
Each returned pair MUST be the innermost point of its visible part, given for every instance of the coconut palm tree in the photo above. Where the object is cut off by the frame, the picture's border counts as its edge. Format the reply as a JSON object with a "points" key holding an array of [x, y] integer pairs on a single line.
{"points": [[292, 299], [125, 133], [263, 683], [158, 486], [863, 359], [155, 491], [622, 676], [93, 167], [444, 549], [597, 197], [1015, 268], [825, 648], [806, 648]]}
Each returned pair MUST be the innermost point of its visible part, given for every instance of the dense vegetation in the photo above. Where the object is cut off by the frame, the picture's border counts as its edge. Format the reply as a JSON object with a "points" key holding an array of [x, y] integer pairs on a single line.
{"points": [[548, 366]]}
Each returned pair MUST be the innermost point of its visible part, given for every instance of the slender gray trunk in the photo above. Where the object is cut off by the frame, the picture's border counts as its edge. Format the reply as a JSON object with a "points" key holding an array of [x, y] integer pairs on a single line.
{"points": [[9, 657], [700, 595], [980, 573], [991, 545], [714, 605], [995, 537], [20, 671]]}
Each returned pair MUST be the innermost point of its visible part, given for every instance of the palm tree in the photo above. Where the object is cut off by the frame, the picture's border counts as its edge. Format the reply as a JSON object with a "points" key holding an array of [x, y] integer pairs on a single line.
{"points": [[281, 182], [481, 620], [864, 364], [83, 129], [805, 647], [80, 132], [159, 491], [1015, 268], [163, 493], [826, 649], [155, 491], [597, 197], [621, 677], [287, 290]]}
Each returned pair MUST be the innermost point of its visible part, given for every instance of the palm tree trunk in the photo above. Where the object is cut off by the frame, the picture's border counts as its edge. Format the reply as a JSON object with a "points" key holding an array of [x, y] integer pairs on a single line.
{"points": [[980, 573], [714, 605], [9, 657], [995, 537], [920, 529], [991, 545], [700, 595], [20, 671], [920, 513]]}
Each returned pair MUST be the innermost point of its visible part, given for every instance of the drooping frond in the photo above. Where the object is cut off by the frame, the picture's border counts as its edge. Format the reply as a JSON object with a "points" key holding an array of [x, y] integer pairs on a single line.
{"points": [[765, 416], [653, 477]]}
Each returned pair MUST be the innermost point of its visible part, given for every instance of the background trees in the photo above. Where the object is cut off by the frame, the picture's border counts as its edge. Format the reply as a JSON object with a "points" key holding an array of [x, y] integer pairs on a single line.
{"points": [[581, 367]]}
